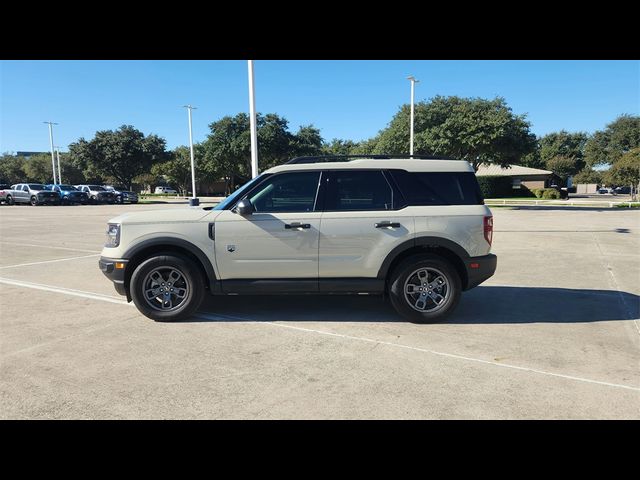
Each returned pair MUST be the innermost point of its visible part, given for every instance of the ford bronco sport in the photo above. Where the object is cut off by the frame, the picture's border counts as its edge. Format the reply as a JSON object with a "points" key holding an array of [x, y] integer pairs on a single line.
{"points": [[415, 229]]}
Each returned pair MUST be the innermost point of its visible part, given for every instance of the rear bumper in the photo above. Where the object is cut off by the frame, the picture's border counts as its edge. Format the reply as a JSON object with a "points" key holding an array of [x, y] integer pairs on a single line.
{"points": [[480, 269], [116, 275]]}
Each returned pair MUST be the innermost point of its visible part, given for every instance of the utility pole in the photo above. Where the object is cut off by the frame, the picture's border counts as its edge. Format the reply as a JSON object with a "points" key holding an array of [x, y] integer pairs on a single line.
{"points": [[252, 123], [58, 157], [413, 83], [53, 160], [193, 201]]}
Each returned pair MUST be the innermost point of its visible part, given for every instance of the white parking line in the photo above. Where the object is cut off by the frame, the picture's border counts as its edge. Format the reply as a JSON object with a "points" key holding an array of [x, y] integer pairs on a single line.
{"points": [[107, 298], [66, 291], [49, 261], [49, 246], [614, 283], [424, 350]]}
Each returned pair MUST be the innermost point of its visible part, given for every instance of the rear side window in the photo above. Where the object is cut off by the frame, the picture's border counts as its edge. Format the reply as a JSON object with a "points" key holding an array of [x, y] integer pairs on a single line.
{"points": [[438, 188], [358, 190]]}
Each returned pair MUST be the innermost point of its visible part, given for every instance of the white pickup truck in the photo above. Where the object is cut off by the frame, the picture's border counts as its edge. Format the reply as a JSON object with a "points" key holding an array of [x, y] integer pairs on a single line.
{"points": [[7, 194]]}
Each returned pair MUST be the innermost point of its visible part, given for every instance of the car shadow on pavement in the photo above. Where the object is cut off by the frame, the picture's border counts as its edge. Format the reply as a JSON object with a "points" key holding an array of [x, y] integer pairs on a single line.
{"points": [[482, 305]]}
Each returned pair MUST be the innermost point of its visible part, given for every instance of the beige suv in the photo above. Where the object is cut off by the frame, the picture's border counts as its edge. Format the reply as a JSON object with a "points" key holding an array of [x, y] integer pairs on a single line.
{"points": [[414, 229]]}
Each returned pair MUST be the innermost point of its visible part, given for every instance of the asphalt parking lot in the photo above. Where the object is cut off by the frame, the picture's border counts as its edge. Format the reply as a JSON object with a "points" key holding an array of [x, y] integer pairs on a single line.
{"points": [[554, 334]]}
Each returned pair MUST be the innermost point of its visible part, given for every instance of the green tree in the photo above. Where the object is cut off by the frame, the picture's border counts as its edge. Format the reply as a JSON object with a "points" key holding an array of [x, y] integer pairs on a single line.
{"points": [[38, 168], [588, 175], [339, 147], [625, 171], [227, 149], [177, 170], [71, 174], [562, 166], [366, 147], [533, 159], [120, 154], [563, 144], [307, 141], [474, 129], [607, 146], [11, 169]]}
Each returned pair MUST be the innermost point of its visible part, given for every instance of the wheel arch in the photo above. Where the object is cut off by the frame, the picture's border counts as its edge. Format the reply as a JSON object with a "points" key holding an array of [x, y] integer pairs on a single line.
{"points": [[443, 247], [143, 250]]}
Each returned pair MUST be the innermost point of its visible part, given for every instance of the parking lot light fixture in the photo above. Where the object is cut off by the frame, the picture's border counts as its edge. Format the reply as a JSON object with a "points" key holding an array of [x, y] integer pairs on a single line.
{"points": [[53, 160], [413, 81], [194, 202]]}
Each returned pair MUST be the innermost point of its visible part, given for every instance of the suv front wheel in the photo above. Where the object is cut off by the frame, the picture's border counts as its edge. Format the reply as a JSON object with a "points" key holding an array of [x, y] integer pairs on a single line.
{"points": [[425, 288], [167, 288]]}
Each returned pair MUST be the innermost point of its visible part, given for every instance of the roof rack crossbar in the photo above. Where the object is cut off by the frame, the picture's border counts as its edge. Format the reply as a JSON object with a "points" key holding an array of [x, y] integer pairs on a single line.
{"points": [[348, 158]]}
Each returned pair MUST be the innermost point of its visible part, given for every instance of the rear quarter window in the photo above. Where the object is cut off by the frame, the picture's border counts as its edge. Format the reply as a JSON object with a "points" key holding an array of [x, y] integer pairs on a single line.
{"points": [[438, 188]]}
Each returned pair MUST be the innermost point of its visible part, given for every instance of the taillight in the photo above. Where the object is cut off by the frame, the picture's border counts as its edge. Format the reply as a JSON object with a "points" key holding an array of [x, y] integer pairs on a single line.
{"points": [[488, 229]]}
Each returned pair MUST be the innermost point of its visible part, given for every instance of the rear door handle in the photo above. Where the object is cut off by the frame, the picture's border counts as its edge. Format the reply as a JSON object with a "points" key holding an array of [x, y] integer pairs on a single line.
{"points": [[388, 225], [291, 225]]}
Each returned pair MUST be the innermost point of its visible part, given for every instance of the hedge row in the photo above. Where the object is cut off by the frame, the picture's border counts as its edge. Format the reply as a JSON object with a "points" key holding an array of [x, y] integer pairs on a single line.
{"points": [[546, 193], [495, 186]]}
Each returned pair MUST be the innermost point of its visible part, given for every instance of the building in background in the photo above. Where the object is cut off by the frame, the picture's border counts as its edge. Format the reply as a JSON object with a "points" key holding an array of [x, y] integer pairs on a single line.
{"points": [[521, 176]]}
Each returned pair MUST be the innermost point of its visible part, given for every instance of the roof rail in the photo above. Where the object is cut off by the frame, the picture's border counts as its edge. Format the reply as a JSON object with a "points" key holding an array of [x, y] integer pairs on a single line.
{"points": [[349, 158]]}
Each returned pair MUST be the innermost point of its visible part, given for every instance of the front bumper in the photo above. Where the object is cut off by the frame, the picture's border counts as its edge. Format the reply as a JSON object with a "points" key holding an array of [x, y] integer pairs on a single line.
{"points": [[116, 275], [45, 198], [479, 269]]}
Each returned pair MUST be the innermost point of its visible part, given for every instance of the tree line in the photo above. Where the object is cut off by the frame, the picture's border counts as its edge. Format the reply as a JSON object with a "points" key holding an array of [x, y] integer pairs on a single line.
{"points": [[481, 131]]}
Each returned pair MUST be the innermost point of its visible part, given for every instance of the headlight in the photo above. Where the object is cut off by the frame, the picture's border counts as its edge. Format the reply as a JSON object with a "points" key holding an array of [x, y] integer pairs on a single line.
{"points": [[113, 235]]}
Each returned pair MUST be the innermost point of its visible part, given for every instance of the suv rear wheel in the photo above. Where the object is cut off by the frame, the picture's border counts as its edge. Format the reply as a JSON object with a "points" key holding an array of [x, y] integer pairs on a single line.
{"points": [[425, 288], [167, 288]]}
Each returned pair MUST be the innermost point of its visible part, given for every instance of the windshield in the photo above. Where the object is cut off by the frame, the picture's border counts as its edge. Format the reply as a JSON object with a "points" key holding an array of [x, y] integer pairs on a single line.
{"points": [[238, 193], [68, 187], [96, 188], [36, 186]]}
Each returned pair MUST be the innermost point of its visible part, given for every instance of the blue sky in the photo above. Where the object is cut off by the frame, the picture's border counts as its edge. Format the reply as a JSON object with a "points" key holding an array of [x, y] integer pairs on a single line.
{"points": [[345, 99]]}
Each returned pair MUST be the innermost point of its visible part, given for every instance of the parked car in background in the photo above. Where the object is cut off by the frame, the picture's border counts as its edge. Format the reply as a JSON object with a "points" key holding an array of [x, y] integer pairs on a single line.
{"points": [[97, 193], [69, 194], [169, 190], [122, 195], [623, 190], [604, 191], [35, 194], [6, 194]]}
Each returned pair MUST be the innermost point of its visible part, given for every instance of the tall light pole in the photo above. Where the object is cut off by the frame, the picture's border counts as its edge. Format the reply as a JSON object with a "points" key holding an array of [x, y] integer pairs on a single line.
{"points": [[252, 123], [58, 158], [193, 201], [53, 161], [413, 83]]}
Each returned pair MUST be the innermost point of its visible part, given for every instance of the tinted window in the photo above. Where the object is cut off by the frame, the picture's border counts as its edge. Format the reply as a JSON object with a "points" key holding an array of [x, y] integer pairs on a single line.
{"points": [[438, 188], [36, 186], [289, 192], [358, 190]]}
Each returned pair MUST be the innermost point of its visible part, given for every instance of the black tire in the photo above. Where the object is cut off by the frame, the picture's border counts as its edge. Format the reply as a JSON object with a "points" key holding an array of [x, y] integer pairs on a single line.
{"points": [[194, 287], [134, 201], [9, 200], [93, 200], [405, 272], [34, 200]]}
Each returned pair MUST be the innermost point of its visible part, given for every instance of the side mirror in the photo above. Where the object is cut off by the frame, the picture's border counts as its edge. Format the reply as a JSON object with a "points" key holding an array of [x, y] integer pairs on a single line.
{"points": [[244, 207]]}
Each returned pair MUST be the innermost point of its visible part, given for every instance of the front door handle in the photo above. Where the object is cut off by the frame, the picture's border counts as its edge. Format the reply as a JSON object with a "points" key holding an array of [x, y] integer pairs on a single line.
{"points": [[296, 225], [388, 225]]}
